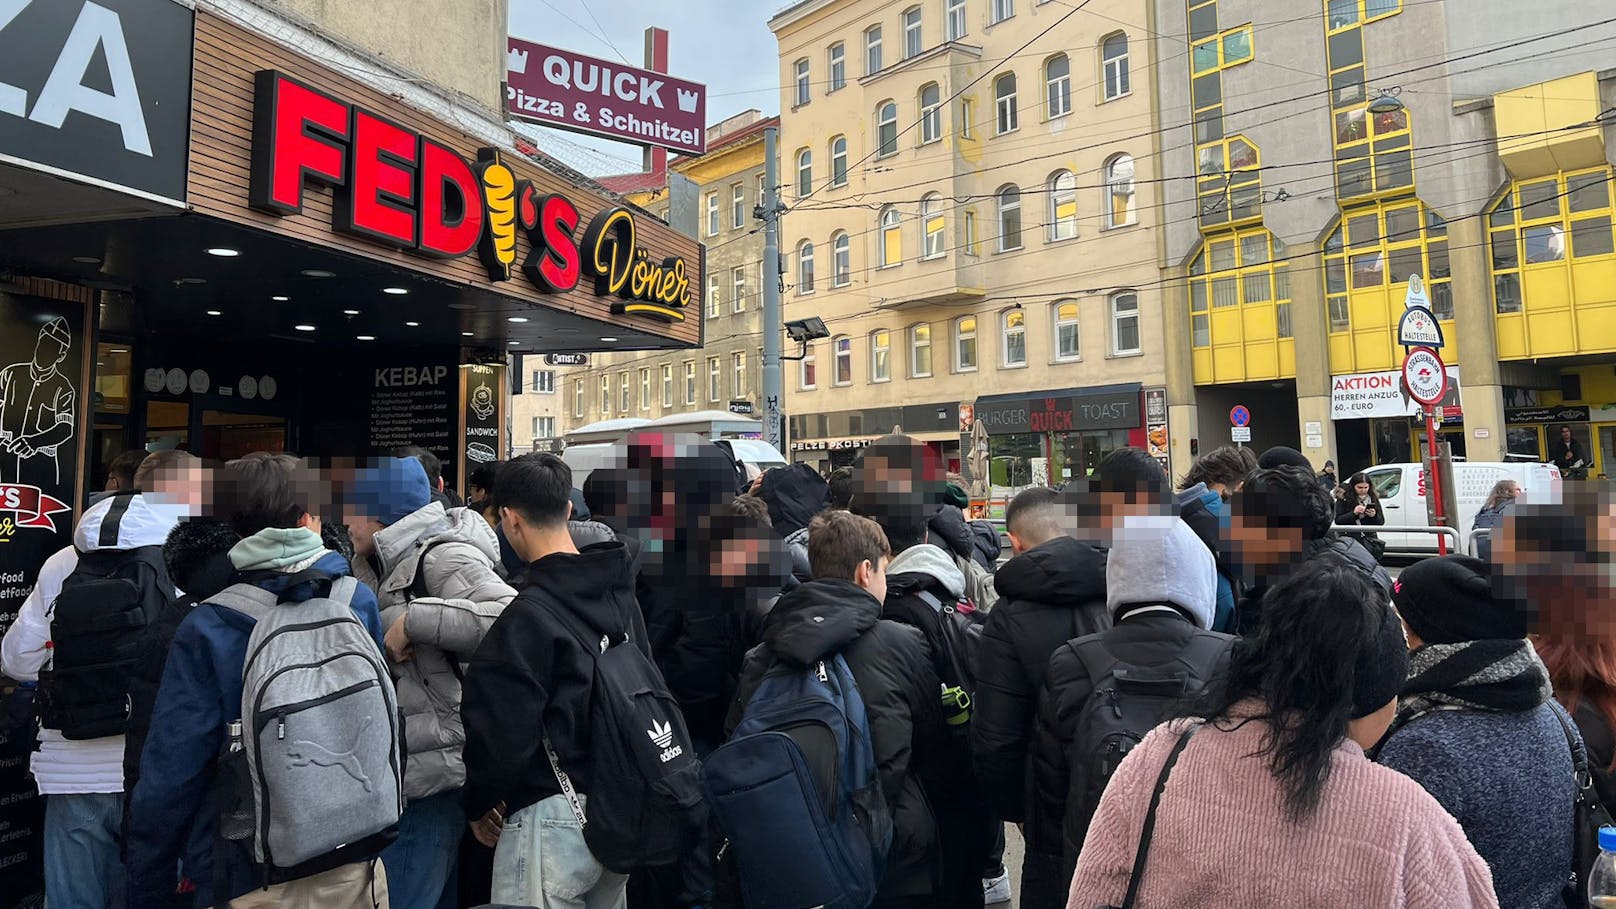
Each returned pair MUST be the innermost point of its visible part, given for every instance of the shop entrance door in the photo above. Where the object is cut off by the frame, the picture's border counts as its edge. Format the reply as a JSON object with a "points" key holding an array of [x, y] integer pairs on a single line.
{"points": [[226, 436]]}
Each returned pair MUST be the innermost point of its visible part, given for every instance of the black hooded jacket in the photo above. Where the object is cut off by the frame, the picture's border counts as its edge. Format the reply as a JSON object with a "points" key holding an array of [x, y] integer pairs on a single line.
{"points": [[531, 674], [1047, 596], [1344, 549], [895, 679], [949, 530], [794, 495]]}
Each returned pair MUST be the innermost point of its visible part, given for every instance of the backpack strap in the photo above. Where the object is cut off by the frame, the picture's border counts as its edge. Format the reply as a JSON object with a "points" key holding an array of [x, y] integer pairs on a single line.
{"points": [[255, 602], [1097, 659], [417, 586], [1142, 855]]}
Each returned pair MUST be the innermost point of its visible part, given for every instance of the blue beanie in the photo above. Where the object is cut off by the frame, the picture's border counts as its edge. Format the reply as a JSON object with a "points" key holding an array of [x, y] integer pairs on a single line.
{"points": [[390, 490]]}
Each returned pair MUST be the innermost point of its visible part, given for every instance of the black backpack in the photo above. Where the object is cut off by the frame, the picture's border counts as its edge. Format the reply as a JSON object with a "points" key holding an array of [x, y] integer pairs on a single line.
{"points": [[644, 778], [96, 626], [1127, 702]]}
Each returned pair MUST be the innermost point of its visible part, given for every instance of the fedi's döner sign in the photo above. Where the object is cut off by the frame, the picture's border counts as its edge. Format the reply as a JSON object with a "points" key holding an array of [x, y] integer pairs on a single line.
{"points": [[408, 191]]}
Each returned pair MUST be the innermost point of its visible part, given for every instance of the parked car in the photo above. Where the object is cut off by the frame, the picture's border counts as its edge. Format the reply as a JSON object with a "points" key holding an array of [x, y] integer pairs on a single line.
{"points": [[1402, 492]]}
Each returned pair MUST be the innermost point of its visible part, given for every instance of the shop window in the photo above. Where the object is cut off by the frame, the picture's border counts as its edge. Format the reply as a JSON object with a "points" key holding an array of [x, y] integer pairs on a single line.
{"points": [[807, 372], [1058, 86], [1066, 335], [1004, 97], [1062, 206], [886, 129], [841, 265], [912, 39], [805, 268], [891, 237], [1013, 351], [919, 351], [1114, 65], [1009, 198], [932, 224], [805, 174], [880, 355], [956, 19], [931, 113], [836, 60], [965, 344], [1010, 460], [872, 51], [1078, 454], [838, 161], [842, 352]]}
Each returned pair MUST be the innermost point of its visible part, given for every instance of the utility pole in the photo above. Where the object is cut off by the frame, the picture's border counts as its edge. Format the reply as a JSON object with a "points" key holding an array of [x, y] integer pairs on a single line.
{"points": [[769, 213]]}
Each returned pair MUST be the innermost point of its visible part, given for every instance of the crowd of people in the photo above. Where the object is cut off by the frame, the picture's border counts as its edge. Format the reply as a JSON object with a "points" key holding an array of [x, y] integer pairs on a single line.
{"points": [[266, 684]]}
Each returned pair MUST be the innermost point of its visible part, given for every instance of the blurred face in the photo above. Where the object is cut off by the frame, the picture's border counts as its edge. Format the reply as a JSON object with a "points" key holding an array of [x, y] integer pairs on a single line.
{"points": [[1565, 433], [732, 560], [188, 485], [1516, 491], [1258, 548], [362, 529]]}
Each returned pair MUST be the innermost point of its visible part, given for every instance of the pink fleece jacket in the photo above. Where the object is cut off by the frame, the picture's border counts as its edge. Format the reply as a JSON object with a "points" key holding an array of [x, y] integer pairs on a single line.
{"points": [[1378, 840]]}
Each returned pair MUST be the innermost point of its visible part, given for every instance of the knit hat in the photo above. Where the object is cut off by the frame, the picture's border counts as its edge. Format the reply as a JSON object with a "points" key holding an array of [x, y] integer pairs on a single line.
{"points": [[390, 490], [955, 496], [1159, 560], [1450, 601], [1381, 670], [1281, 456]]}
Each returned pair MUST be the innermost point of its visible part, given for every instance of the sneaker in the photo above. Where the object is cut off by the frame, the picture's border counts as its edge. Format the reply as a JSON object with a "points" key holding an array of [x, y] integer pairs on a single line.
{"points": [[996, 889]]}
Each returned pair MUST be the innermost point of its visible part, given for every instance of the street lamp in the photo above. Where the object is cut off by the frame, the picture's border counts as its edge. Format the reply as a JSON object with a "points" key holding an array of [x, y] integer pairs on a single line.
{"points": [[805, 331]]}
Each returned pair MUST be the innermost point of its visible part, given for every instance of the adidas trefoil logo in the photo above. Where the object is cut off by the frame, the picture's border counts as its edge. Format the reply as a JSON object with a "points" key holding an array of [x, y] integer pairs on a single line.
{"points": [[662, 735], [687, 100]]}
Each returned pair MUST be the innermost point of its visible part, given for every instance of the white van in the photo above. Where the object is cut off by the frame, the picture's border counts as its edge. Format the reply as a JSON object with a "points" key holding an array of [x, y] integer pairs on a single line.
{"points": [[1401, 489], [598, 445]]}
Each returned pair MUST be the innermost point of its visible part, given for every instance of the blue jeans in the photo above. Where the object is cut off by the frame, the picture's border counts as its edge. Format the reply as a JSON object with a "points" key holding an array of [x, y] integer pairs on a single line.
{"points": [[543, 861], [421, 862], [83, 862]]}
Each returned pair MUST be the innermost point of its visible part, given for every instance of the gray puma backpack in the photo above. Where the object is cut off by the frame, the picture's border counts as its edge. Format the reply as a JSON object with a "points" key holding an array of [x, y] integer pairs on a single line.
{"points": [[320, 730]]}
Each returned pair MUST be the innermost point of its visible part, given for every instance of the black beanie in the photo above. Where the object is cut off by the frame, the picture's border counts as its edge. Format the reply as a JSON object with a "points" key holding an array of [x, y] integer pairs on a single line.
{"points": [[1450, 601], [1280, 456], [1382, 669]]}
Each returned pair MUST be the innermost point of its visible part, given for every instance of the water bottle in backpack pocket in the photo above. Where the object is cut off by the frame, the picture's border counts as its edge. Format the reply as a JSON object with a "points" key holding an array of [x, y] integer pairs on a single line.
{"points": [[797, 793]]}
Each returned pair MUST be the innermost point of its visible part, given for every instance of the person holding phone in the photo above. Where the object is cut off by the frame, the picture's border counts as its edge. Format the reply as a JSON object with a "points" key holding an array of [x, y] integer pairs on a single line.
{"points": [[1360, 506]]}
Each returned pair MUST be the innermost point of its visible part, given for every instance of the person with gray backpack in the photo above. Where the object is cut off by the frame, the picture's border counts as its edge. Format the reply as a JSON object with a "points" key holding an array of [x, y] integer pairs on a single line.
{"points": [[273, 768]]}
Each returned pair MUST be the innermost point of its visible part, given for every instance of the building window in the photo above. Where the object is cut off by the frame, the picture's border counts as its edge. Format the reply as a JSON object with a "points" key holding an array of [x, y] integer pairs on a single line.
{"points": [[1236, 270], [738, 204], [911, 32], [1125, 323], [838, 67], [622, 392], [965, 344], [737, 277], [806, 373], [1009, 218], [1373, 152], [606, 394], [805, 267], [1120, 207], [931, 113], [842, 350], [931, 220], [838, 161], [841, 265], [1058, 85], [667, 385], [1002, 10], [1347, 13], [967, 127], [1014, 335], [919, 351], [956, 19], [544, 381], [891, 237], [872, 51], [1550, 228], [544, 427], [1377, 247], [1221, 51], [886, 129], [1067, 338], [1114, 63], [645, 388], [712, 214], [802, 82], [578, 399], [1004, 94], [880, 355], [715, 385], [737, 370], [690, 382], [762, 190], [714, 307], [1062, 206], [1229, 179], [805, 174], [970, 233]]}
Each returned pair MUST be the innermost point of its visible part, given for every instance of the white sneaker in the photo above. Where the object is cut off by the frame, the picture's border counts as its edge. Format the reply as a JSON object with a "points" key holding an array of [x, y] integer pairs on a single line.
{"points": [[996, 889]]}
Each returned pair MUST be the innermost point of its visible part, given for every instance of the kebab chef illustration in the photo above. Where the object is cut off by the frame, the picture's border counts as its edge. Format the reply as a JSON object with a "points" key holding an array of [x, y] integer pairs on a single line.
{"points": [[36, 409]]}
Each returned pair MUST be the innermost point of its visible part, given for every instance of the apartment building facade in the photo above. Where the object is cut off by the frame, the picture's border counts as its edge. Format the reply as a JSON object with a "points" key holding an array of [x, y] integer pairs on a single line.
{"points": [[971, 206], [1338, 154]]}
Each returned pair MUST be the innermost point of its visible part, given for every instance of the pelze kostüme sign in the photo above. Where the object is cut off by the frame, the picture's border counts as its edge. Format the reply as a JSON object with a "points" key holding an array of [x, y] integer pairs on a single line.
{"points": [[396, 187]]}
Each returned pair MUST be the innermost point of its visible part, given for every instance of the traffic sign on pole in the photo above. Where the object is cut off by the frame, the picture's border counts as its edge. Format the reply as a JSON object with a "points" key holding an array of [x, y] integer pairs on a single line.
{"points": [[1239, 415], [1425, 376], [1240, 433]]}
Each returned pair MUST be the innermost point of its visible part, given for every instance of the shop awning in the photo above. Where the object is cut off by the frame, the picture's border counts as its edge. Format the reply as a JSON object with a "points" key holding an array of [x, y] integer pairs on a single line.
{"points": [[1095, 407]]}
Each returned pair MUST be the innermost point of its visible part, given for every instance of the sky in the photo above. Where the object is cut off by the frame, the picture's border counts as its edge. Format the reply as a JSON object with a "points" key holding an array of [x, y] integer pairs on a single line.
{"points": [[744, 75]]}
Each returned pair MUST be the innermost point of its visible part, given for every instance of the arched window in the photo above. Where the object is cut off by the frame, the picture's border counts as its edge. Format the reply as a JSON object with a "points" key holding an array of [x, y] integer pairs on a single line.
{"points": [[842, 348], [919, 351], [800, 73], [872, 50], [931, 113], [880, 355], [805, 173], [886, 128], [1066, 331], [1062, 206], [1009, 218], [1120, 209], [965, 344], [1125, 323], [841, 264], [1114, 62], [911, 32], [1058, 85], [891, 237], [1004, 95], [1013, 351], [838, 161], [805, 267], [931, 223]]}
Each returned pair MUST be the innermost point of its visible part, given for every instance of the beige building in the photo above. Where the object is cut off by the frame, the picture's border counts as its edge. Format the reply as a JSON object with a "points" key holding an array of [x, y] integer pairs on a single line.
{"points": [[729, 185], [536, 413], [972, 209]]}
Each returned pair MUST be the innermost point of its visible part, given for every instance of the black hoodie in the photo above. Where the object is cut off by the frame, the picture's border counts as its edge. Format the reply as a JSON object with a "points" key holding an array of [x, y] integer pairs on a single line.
{"points": [[532, 675], [1047, 596], [899, 689]]}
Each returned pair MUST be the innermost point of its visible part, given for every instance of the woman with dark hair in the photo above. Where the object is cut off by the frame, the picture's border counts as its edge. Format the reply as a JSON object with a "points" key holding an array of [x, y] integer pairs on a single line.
{"points": [[1278, 767], [1359, 506]]}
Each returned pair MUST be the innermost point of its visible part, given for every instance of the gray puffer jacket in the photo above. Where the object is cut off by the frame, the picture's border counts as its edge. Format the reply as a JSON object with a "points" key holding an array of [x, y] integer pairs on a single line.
{"points": [[460, 597]]}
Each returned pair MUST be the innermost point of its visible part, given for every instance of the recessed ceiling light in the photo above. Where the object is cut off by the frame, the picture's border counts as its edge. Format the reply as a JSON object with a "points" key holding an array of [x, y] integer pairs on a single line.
{"points": [[395, 291], [367, 337], [215, 312], [317, 273], [190, 281], [514, 341], [278, 298], [224, 252], [350, 312], [608, 340], [465, 334], [517, 319], [463, 307], [304, 327], [87, 260], [413, 324]]}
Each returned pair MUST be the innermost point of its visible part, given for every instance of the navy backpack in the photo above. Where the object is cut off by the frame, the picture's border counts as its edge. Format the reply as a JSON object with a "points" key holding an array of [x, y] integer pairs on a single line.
{"points": [[797, 793]]}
